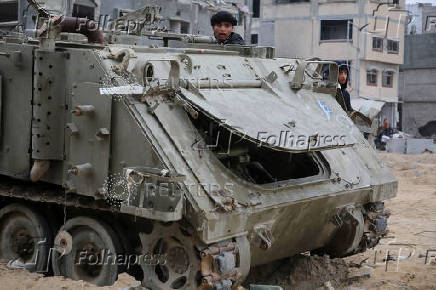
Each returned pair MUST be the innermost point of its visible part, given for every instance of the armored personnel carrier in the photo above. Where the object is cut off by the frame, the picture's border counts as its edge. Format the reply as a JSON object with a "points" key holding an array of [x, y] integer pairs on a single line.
{"points": [[184, 166]]}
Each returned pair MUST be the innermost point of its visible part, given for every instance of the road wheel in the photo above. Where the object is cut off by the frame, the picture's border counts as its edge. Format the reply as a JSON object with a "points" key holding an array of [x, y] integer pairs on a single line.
{"points": [[90, 252], [24, 236], [348, 236], [170, 259]]}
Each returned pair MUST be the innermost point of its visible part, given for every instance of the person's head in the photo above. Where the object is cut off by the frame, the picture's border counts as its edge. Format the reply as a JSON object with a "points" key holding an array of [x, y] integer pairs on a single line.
{"points": [[222, 25], [343, 74]]}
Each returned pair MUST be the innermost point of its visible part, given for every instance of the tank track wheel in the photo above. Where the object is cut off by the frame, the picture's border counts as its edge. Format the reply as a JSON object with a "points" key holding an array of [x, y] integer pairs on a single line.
{"points": [[349, 233], [25, 236], [93, 254], [170, 259]]}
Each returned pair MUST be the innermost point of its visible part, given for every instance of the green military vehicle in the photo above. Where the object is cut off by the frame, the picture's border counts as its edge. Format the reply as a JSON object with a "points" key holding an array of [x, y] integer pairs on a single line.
{"points": [[183, 166]]}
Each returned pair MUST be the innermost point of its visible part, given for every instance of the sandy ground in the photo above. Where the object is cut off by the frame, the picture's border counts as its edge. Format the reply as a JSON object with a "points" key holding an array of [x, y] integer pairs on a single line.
{"points": [[412, 238], [23, 280], [412, 227]]}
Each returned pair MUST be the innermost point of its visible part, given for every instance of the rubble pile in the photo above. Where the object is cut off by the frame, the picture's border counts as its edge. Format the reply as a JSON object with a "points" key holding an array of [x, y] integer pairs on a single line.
{"points": [[308, 272]]}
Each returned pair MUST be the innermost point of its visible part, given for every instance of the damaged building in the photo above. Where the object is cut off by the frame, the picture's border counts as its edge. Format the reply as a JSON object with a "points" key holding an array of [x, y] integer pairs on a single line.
{"points": [[418, 86], [418, 74]]}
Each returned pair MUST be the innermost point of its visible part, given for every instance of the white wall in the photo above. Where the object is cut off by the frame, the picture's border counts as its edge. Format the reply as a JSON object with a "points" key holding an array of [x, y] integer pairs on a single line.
{"points": [[379, 92]]}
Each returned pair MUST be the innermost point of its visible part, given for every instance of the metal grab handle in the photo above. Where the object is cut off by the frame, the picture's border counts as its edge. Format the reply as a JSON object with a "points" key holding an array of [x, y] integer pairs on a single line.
{"points": [[298, 80], [8, 54]]}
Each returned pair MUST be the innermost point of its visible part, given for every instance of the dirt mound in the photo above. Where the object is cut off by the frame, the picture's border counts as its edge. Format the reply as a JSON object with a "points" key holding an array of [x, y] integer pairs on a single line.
{"points": [[311, 272], [301, 272]]}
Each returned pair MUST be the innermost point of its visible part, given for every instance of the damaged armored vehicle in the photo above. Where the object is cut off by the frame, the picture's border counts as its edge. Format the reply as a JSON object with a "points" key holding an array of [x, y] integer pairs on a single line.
{"points": [[183, 165]]}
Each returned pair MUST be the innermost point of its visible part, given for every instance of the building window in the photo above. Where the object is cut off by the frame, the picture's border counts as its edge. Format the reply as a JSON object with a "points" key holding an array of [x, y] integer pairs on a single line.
{"points": [[254, 39], [336, 29], [256, 8], [377, 43], [393, 46], [83, 11], [388, 79], [290, 1], [8, 11], [123, 12], [184, 27], [371, 77]]}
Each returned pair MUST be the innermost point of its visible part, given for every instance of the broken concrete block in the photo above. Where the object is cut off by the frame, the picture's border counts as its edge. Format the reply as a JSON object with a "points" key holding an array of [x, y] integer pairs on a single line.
{"points": [[328, 286], [356, 274]]}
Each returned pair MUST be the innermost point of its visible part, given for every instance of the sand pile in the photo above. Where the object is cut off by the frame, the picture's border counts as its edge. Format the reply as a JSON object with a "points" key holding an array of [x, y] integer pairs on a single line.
{"points": [[301, 272]]}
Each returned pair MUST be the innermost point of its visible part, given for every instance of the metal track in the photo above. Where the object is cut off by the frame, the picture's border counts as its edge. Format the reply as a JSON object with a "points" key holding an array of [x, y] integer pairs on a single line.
{"points": [[47, 193]]}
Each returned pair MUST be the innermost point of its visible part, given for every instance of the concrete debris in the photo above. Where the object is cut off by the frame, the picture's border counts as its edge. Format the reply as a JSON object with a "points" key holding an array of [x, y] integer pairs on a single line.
{"points": [[265, 287], [127, 282], [16, 264], [356, 274], [389, 164], [410, 145], [328, 286]]}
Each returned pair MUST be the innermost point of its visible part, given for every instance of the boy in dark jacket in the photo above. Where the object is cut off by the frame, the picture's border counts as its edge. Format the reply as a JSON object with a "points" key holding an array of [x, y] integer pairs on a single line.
{"points": [[222, 25], [343, 80]]}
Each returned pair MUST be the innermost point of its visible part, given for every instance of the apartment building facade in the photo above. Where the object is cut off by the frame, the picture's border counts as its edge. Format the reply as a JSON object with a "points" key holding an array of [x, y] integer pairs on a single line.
{"points": [[366, 34]]}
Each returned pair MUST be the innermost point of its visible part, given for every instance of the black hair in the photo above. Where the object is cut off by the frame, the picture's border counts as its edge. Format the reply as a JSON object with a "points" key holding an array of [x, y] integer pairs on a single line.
{"points": [[223, 16], [344, 67]]}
